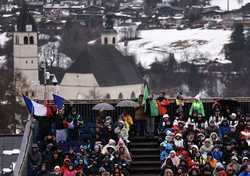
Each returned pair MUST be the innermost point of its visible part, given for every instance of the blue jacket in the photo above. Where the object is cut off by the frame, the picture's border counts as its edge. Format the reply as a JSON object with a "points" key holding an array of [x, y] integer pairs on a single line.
{"points": [[218, 155], [244, 174]]}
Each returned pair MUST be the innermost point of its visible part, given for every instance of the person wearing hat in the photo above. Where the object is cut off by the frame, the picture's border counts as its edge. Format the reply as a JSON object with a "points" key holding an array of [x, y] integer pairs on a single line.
{"points": [[234, 165], [61, 133], [70, 171], [140, 118], [56, 171], [224, 128], [43, 171], [206, 147], [178, 140], [35, 160], [196, 109], [76, 122], [168, 172], [244, 171]]}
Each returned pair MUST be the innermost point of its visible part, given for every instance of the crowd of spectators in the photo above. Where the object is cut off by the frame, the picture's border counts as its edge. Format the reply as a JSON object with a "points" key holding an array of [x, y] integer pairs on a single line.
{"points": [[197, 143], [203, 143], [59, 149]]}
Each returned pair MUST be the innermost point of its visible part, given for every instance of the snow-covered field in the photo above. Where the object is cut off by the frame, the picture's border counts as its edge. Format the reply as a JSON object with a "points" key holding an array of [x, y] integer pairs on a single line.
{"points": [[233, 4], [3, 39], [187, 45]]}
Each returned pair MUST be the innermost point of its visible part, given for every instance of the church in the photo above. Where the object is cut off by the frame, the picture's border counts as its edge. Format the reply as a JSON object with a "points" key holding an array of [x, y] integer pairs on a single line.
{"points": [[102, 72]]}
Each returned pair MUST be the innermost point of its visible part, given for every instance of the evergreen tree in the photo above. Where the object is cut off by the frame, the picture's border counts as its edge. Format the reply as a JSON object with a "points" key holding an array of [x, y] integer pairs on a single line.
{"points": [[238, 37]]}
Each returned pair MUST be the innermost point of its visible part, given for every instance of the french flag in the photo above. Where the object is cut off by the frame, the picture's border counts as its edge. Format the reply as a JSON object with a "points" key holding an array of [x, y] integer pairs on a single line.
{"points": [[59, 101], [35, 108]]}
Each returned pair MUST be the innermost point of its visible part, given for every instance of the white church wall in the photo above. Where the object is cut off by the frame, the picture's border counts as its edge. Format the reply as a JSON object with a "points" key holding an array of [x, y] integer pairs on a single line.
{"points": [[73, 79], [90, 93]]}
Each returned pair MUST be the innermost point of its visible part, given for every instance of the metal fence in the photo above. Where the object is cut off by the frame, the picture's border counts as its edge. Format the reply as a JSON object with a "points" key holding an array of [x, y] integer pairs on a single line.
{"points": [[84, 108]]}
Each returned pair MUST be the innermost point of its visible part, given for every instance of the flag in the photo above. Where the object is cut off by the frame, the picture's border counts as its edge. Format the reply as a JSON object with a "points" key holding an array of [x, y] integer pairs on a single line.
{"points": [[34, 107], [59, 101], [145, 96], [51, 109]]}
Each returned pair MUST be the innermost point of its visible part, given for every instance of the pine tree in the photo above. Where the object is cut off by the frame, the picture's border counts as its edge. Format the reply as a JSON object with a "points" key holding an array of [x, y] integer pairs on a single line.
{"points": [[238, 37]]}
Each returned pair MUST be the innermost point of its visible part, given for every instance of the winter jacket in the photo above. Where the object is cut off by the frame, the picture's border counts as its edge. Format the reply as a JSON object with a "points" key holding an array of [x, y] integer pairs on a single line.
{"points": [[224, 130], [218, 155], [244, 173], [69, 173], [162, 106], [197, 107], [140, 115]]}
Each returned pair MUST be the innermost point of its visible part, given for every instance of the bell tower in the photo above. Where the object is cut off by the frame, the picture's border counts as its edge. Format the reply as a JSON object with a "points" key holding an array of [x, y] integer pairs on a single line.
{"points": [[25, 48]]}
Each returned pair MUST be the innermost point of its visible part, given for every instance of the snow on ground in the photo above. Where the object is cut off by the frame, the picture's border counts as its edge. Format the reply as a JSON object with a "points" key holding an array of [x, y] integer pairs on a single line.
{"points": [[2, 60], [50, 52], [233, 4], [187, 45], [11, 152], [3, 39]]}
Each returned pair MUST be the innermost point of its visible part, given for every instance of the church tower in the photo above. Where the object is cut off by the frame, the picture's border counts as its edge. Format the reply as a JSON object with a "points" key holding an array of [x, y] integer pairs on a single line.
{"points": [[26, 48]]}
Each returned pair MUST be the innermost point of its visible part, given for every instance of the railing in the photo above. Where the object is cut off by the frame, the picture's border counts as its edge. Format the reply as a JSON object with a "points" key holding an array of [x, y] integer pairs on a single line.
{"points": [[22, 160], [85, 109]]}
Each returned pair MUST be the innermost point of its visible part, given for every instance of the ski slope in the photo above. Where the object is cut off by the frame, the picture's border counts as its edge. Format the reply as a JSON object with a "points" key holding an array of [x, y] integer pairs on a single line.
{"points": [[187, 45]]}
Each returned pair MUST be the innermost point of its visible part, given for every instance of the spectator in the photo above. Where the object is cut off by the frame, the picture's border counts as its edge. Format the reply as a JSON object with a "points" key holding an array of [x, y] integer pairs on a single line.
{"points": [[61, 133], [43, 171], [35, 160], [140, 118], [196, 109], [75, 121]]}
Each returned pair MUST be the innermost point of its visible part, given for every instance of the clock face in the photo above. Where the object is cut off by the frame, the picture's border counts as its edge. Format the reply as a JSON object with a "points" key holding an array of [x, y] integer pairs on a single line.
{"points": [[29, 28]]}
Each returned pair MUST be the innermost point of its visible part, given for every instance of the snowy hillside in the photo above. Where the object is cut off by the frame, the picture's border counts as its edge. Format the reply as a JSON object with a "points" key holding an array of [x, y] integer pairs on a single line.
{"points": [[3, 39], [186, 45], [233, 4]]}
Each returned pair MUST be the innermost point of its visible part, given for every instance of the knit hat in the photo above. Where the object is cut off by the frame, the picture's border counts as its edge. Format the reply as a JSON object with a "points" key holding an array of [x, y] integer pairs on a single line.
{"points": [[178, 134]]}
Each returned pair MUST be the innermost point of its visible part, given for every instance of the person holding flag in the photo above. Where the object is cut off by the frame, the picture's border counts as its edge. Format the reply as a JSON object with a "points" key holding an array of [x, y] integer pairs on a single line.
{"points": [[140, 117], [42, 114]]}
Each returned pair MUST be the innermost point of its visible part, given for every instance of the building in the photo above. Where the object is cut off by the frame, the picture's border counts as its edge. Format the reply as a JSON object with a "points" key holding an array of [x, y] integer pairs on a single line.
{"points": [[101, 72]]}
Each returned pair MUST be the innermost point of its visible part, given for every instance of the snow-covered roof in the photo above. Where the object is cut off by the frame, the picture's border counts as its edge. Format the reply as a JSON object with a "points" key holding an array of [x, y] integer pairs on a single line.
{"points": [[186, 45], [233, 4]]}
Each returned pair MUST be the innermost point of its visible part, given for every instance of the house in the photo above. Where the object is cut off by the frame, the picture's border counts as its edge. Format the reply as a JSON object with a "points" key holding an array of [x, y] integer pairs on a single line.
{"points": [[100, 72], [127, 31], [168, 10], [212, 14], [93, 10]]}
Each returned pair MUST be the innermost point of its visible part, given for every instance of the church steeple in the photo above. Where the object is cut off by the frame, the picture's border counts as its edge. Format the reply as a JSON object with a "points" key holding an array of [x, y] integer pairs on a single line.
{"points": [[25, 21], [25, 45]]}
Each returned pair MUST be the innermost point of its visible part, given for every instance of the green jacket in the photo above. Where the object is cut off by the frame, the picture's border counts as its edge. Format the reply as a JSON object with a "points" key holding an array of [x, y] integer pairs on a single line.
{"points": [[197, 107]]}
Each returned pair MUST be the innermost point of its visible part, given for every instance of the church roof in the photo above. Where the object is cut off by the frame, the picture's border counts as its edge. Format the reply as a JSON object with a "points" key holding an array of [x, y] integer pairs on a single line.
{"points": [[108, 65]]}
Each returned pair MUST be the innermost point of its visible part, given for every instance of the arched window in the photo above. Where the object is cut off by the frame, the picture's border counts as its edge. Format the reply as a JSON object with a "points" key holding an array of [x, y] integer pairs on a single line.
{"points": [[32, 93], [113, 40], [31, 40], [25, 40], [132, 96], [17, 40], [120, 96], [108, 96], [105, 40]]}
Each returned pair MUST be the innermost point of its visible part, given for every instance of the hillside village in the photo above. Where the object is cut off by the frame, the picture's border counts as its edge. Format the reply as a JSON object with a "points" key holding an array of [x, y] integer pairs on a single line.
{"points": [[194, 35]]}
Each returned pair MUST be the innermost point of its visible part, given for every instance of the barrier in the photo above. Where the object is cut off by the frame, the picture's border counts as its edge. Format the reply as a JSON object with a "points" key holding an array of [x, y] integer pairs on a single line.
{"points": [[21, 164]]}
